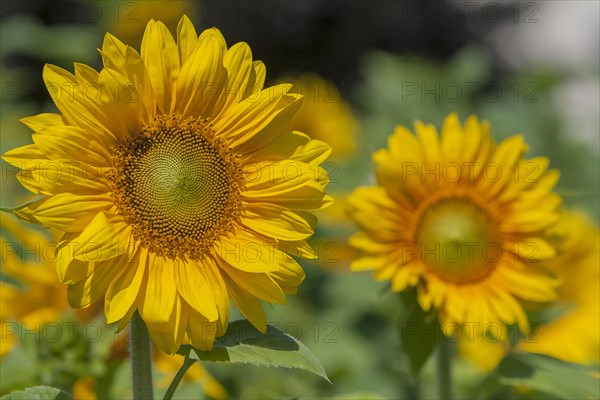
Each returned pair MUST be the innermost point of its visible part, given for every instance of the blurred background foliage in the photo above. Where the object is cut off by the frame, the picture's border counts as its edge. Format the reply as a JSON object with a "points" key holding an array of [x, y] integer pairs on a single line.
{"points": [[367, 66]]}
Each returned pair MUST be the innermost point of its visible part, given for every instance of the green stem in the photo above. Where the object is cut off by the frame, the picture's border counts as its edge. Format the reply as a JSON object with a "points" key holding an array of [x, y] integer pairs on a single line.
{"points": [[444, 369], [413, 388], [187, 362], [141, 359]]}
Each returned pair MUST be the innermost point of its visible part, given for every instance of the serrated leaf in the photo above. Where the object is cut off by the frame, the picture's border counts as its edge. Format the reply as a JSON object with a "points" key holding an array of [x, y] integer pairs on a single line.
{"points": [[549, 375], [38, 393], [420, 331], [242, 343]]}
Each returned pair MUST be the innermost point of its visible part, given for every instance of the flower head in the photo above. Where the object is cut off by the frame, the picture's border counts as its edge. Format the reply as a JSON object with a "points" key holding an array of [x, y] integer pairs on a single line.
{"points": [[174, 183], [460, 218]]}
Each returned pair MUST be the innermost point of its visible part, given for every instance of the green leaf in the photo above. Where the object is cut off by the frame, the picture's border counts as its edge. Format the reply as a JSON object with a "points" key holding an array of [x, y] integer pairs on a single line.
{"points": [[419, 331], [242, 343], [38, 393], [549, 375]]}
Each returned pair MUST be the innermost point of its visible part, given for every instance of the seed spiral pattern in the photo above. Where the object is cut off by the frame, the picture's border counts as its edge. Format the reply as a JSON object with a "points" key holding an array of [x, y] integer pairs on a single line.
{"points": [[177, 185]]}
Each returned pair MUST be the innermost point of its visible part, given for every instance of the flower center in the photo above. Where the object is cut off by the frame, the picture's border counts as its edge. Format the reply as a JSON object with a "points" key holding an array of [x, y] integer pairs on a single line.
{"points": [[457, 241], [177, 185]]}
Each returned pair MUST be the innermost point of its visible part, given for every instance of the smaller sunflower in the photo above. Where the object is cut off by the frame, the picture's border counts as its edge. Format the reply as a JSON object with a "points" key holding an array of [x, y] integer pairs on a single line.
{"points": [[460, 218]]}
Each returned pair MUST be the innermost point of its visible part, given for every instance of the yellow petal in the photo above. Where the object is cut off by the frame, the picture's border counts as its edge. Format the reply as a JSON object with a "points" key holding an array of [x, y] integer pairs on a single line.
{"points": [[238, 63], [122, 293], [310, 196], [500, 169], [532, 221], [44, 120], [282, 147], [404, 146], [128, 62], [99, 241], [249, 306], [78, 103], [452, 138], [215, 277], [430, 142], [289, 276], [365, 242], [202, 78], [25, 157], [249, 253], [532, 248], [159, 293], [259, 285], [192, 281], [124, 100], [187, 38], [201, 332], [65, 211], [525, 175], [276, 222], [528, 285], [88, 290], [168, 336], [256, 80], [58, 176], [471, 140], [273, 106], [72, 143], [298, 248], [279, 177], [161, 58], [313, 153]]}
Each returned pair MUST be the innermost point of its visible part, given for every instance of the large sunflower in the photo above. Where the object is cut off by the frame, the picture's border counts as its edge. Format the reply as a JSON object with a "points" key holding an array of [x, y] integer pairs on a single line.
{"points": [[461, 219], [174, 184]]}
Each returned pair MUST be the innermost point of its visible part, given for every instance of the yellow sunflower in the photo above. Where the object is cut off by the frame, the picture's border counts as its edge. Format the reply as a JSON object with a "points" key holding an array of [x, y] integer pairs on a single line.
{"points": [[460, 218], [174, 184], [573, 336]]}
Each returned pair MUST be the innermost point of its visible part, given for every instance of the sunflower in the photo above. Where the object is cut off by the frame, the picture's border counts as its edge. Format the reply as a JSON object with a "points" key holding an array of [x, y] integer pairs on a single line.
{"points": [[462, 220], [573, 335], [174, 184]]}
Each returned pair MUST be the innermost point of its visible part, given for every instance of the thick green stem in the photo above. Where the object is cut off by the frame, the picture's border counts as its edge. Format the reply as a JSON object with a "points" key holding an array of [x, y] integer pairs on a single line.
{"points": [[444, 369], [187, 362], [141, 359]]}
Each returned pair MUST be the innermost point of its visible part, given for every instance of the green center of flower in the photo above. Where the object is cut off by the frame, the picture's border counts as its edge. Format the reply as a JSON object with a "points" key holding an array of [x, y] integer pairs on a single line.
{"points": [[177, 185], [457, 241]]}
